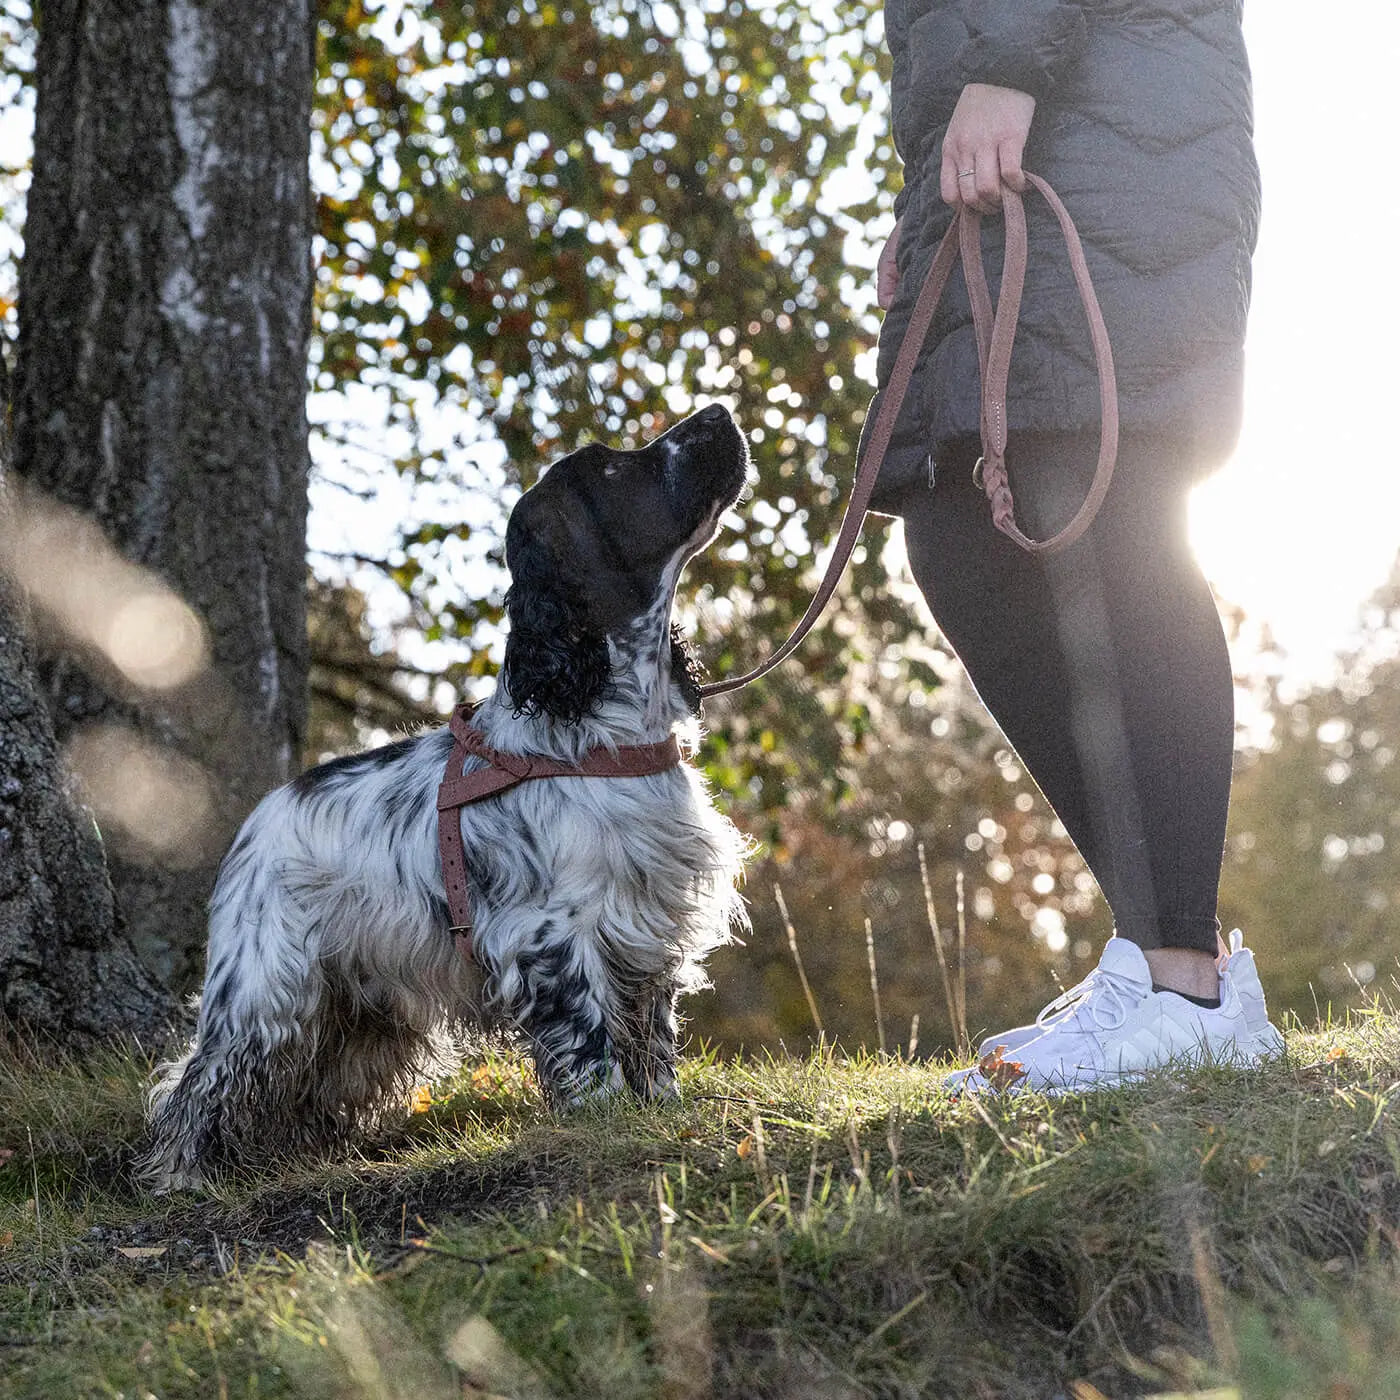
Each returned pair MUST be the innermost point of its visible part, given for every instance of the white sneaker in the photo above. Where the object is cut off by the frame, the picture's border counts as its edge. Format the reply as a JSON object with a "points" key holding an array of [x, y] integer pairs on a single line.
{"points": [[1112, 1028], [1237, 966], [1235, 962]]}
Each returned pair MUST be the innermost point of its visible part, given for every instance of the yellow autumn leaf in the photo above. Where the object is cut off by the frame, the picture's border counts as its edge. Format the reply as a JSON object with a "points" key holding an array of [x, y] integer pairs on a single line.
{"points": [[1086, 1390], [1338, 1052], [421, 1100], [745, 1146]]}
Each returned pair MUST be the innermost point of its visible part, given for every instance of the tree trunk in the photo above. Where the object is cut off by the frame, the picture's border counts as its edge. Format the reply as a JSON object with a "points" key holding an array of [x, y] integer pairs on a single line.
{"points": [[67, 976], [161, 388]]}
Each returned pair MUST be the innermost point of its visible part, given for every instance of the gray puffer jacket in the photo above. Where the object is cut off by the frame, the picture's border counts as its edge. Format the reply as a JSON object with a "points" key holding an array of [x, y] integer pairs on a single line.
{"points": [[1143, 126]]}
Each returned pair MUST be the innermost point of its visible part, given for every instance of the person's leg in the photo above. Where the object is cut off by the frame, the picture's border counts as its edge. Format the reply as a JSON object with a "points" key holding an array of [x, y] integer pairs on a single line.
{"points": [[1106, 668]]}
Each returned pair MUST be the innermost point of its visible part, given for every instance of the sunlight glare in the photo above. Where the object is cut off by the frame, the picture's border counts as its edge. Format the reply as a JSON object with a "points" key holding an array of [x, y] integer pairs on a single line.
{"points": [[84, 589], [157, 804], [1303, 523]]}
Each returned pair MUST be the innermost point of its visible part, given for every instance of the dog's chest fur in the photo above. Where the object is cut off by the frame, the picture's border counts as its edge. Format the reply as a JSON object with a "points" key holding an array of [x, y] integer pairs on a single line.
{"points": [[639, 871]]}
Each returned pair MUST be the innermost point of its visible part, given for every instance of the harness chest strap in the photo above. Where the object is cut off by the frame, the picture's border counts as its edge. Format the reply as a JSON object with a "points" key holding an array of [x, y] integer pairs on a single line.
{"points": [[502, 771]]}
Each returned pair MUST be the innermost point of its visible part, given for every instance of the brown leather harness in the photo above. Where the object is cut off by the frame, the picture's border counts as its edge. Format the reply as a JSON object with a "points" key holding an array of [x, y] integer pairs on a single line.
{"points": [[501, 771], [995, 329]]}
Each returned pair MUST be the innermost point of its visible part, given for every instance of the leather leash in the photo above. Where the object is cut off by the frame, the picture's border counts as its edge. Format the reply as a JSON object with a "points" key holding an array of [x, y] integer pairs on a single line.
{"points": [[995, 329], [503, 771]]}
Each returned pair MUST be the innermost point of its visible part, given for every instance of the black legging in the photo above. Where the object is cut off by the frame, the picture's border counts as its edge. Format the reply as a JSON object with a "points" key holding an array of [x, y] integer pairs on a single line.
{"points": [[1105, 666]]}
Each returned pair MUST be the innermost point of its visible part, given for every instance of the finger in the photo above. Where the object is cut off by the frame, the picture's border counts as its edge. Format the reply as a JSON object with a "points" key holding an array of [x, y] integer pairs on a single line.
{"points": [[1009, 155], [987, 183], [948, 183], [966, 177]]}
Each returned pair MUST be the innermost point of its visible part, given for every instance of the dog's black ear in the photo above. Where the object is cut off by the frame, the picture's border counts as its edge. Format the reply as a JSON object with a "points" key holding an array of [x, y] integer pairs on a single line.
{"points": [[685, 670], [556, 661]]}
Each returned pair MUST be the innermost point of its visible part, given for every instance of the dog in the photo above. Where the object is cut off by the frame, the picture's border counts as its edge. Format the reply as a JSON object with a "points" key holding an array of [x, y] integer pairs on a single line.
{"points": [[333, 981]]}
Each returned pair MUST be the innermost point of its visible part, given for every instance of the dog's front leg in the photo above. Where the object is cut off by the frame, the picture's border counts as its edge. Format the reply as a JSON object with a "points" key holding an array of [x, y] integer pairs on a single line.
{"points": [[647, 1041], [559, 995]]}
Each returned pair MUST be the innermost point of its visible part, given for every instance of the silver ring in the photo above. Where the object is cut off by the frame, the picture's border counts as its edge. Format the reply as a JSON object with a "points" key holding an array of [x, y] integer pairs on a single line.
{"points": [[963, 174]]}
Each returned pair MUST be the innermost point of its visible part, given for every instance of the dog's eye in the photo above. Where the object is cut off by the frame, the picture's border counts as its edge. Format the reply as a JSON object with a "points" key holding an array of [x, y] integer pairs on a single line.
{"points": [[611, 469]]}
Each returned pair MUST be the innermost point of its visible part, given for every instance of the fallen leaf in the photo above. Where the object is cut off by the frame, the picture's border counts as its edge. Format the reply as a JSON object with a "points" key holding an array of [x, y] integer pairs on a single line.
{"points": [[1257, 1163], [421, 1100], [998, 1071], [141, 1251], [7, 1239], [1338, 1052], [146, 1353], [1085, 1390], [5, 1154], [745, 1146]]}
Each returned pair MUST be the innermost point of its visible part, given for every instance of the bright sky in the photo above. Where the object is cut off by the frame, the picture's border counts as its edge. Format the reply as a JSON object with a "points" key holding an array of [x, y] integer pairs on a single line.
{"points": [[1304, 523]]}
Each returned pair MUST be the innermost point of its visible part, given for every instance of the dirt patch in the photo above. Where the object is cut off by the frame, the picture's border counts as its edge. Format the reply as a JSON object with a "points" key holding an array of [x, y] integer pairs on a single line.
{"points": [[378, 1213], [381, 1210]]}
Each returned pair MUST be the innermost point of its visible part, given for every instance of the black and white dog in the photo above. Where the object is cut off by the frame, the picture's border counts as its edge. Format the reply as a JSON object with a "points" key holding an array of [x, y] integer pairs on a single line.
{"points": [[333, 980]]}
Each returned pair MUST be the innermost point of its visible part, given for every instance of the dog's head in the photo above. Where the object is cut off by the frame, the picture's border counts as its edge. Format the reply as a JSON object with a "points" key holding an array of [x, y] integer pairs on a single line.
{"points": [[598, 543]]}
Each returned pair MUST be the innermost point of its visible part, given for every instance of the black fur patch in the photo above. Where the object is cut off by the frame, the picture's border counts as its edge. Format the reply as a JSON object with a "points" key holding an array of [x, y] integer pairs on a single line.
{"points": [[349, 766]]}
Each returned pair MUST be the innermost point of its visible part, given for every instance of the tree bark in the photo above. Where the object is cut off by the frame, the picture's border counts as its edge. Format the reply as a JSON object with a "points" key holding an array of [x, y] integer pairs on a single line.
{"points": [[67, 975], [161, 387]]}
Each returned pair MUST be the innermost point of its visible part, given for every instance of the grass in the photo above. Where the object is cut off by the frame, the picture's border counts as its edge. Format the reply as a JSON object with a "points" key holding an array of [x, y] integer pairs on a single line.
{"points": [[836, 1226]]}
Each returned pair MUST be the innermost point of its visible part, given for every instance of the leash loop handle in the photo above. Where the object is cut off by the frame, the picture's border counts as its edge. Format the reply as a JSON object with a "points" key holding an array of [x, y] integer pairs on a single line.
{"points": [[995, 330]]}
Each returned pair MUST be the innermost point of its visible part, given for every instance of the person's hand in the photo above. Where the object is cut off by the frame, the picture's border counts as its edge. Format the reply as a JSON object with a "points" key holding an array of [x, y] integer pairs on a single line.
{"points": [[983, 146], [887, 271]]}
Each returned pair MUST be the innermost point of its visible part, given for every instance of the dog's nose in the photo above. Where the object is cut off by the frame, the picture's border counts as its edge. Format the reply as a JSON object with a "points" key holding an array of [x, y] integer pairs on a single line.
{"points": [[713, 413]]}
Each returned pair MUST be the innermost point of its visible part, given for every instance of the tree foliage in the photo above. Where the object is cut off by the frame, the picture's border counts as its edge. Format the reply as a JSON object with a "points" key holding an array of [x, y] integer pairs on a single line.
{"points": [[542, 223], [927, 771]]}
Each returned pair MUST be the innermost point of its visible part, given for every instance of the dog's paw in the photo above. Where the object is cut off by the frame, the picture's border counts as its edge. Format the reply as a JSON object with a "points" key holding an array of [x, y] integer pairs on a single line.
{"points": [[590, 1087], [163, 1179]]}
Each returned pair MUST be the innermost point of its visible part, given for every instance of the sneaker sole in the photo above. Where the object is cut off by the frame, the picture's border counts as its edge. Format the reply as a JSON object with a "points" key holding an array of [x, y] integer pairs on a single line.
{"points": [[1261, 1046]]}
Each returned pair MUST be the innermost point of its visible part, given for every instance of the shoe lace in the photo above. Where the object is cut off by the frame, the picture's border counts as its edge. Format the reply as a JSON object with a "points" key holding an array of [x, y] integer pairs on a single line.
{"points": [[1107, 998]]}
